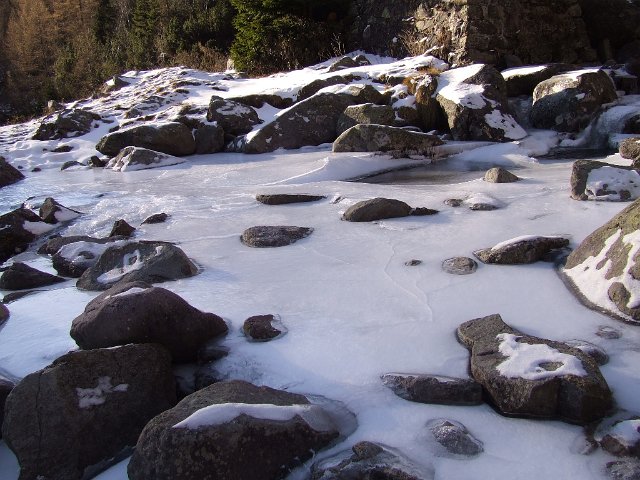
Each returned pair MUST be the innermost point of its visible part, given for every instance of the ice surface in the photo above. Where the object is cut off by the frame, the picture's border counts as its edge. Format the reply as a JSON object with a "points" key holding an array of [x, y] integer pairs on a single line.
{"points": [[37, 228]]}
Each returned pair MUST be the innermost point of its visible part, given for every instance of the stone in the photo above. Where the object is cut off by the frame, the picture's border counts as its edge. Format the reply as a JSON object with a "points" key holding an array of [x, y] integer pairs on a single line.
{"points": [[4, 312], [65, 124], [172, 138], [594, 180], [620, 436], [8, 173], [459, 265], [475, 104], [6, 386], [367, 113], [556, 382], [239, 446], [568, 102], [137, 158], [307, 123], [287, 198], [630, 148], [413, 263], [521, 250], [523, 80], [122, 229], [86, 410], [20, 276], [147, 261], [263, 328], [53, 212], [96, 162], [430, 113], [316, 85], [423, 211], [71, 164], [603, 266], [155, 218], [376, 209], [623, 469], [62, 149], [500, 175], [382, 138], [259, 99], [455, 438], [71, 256], [434, 389], [234, 118], [139, 313], [209, 139], [368, 461], [18, 229], [609, 333], [266, 236], [343, 64]]}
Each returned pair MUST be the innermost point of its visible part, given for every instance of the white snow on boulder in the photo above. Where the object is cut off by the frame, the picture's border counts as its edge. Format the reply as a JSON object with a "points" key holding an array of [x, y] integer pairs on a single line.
{"points": [[130, 262], [37, 228], [451, 86], [505, 122], [626, 432], [522, 238], [612, 179], [90, 397]]}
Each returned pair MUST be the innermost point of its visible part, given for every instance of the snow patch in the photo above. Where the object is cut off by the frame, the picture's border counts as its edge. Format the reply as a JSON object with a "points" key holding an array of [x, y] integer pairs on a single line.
{"points": [[626, 432], [90, 397], [612, 179], [513, 241], [130, 262], [37, 228], [131, 291], [505, 122]]}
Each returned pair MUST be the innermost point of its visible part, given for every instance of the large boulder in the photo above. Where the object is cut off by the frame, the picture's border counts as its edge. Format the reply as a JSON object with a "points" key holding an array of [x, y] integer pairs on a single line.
{"points": [[138, 313], [568, 102], [523, 80], [521, 250], [137, 158], [209, 139], [235, 118], [8, 173], [366, 113], [265, 236], [82, 412], [67, 123], [382, 138], [475, 103], [310, 122], [593, 180], [146, 261], [19, 276], [376, 209], [533, 377], [172, 138], [18, 229], [232, 430], [434, 389], [604, 270], [257, 100]]}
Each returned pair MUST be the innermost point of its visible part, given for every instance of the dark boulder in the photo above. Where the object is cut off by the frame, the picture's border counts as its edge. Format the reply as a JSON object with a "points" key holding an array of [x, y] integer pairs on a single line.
{"points": [[258, 100], [86, 410], [4, 313], [138, 313], [287, 198], [155, 218], [274, 236], [434, 389], [8, 173], [71, 256], [18, 229], [66, 124], [528, 376], [234, 117], [209, 139], [263, 328], [5, 389], [172, 138], [232, 430], [20, 276], [382, 138], [146, 261], [53, 212], [593, 180], [376, 209], [121, 229], [521, 250]]}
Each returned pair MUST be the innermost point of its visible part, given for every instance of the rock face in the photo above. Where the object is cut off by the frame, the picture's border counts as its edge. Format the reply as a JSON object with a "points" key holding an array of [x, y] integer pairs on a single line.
{"points": [[434, 389], [593, 180], [8, 173], [607, 258], [138, 313], [150, 262], [274, 236], [499, 175], [65, 124], [376, 209], [172, 138], [519, 250], [287, 198], [568, 102], [368, 113], [455, 438], [310, 122], [20, 276], [5, 389], [381, 138], [18, 229], [53, 212], [234, 117], [136, 158], [532, 377], [262, 328], [475, 103], [232, 430], [83, 411]]}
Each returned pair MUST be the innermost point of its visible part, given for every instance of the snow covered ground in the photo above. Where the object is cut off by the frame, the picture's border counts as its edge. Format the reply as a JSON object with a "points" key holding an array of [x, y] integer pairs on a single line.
{"points": [[354, 311]]}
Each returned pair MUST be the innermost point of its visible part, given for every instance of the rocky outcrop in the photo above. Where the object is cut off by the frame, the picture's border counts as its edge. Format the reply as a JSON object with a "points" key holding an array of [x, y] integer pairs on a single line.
{"points": [[146, 261], [568, 102], [381, 138], [533, 377], [604, 268], [366, 114], [19, 276], [287, 198], [234, 117], [138, 313], [266, 236], [593, 180], [66, 124], [376, 209], [18, 229], [434, 389], [172, 138], [137, 158], [82, 412], [521, 250], [232, 430], [8, 173]]}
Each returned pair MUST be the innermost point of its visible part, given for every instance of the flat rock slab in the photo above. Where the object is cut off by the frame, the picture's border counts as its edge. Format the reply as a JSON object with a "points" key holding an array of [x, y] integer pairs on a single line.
{"points": [[287, 198], [521, 250], [533, 377], [20, 276], [150, 262], [232, 430], [434, 389], [460, 265], [274, 236], [376, 209]]}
